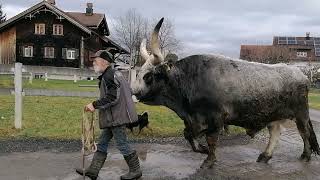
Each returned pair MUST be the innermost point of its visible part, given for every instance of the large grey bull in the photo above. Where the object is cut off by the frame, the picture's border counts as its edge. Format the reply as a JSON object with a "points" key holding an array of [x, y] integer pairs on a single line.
{"points": [[210, 91]]}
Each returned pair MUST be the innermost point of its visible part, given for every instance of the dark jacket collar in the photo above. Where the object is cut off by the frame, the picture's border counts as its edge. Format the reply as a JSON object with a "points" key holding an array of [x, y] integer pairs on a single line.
{"points": [[105, 71]]}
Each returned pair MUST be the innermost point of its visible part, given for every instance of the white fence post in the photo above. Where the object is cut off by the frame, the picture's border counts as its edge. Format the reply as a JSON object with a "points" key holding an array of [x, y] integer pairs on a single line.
{"points": [[74, 78], [30, 78], [18, 95], [45, 76]]}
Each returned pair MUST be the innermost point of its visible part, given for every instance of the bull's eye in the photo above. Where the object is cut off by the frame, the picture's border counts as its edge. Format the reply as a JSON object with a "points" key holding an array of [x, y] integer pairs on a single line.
{"points": [[148, 78]]}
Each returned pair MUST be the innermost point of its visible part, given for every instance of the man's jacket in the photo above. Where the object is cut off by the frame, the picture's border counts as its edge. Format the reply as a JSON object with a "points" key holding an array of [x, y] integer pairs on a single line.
{"points": [[115, 105]]}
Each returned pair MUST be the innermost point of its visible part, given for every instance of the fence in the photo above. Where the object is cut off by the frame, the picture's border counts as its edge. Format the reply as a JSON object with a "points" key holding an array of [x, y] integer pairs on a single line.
{"points": [[36, 81]]}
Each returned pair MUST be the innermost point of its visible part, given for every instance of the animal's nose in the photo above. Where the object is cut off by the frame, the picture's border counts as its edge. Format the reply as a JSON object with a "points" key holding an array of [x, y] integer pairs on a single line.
{"points": [[138, 95]]}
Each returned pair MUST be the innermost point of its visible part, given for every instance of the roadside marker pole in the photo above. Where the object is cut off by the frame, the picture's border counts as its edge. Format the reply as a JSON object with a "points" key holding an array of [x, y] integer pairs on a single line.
{"points": [[18, 95]]}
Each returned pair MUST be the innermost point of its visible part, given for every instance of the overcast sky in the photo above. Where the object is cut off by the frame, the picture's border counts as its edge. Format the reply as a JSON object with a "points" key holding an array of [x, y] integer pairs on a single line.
{"points": [[209, 26]]}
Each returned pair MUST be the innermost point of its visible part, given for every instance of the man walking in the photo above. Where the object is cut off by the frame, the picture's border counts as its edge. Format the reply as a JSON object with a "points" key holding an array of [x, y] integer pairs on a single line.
{"points": [[116, 109]]}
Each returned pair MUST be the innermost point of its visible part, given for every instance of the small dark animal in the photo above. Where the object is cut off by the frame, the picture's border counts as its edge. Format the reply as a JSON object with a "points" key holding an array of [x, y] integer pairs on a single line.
{"points": [[142, 122]]}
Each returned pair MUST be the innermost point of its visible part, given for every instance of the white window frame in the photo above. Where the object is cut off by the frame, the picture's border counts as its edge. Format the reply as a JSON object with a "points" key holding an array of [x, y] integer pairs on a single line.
{"points": [[40, 28], [57, 29], [302, 54], [28, 51], [49, 52], [71, 54]]}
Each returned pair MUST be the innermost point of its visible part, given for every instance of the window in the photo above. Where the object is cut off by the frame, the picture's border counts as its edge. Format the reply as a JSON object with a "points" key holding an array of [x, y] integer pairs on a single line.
{"points": [[302, 54], [316, 42], [49, 52], [287, 40], [282, 40], [28, 51], [40, 29], [71, 54], [292, 40], [57, 29], [317, 51]]}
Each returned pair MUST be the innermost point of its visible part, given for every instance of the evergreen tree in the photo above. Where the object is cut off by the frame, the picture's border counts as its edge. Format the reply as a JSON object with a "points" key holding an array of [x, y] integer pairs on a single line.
{"points": [[2, 15]]}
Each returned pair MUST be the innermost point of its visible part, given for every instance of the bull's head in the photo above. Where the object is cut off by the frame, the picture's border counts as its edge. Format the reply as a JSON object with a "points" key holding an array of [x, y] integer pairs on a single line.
{"points": [[153, 74]]}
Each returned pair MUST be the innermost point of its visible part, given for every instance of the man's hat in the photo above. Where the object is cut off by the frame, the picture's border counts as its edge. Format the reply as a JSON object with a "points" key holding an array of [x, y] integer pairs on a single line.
{"points": [[104, 54]]}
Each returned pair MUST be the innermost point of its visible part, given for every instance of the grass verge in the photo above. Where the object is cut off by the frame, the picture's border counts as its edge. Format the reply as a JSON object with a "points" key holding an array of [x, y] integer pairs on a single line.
{"points": [[7, 81], [60, 118]]}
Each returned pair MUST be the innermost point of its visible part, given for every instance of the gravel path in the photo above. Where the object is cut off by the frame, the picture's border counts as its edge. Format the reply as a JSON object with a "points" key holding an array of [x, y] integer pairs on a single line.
{"points": [[53, 145]]}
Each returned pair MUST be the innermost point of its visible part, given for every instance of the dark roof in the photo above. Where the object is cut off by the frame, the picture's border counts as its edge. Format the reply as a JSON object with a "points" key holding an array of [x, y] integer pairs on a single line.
{"points": [[122, 50], [109, 41], [93, 20], [78, 19], [49, 7]]}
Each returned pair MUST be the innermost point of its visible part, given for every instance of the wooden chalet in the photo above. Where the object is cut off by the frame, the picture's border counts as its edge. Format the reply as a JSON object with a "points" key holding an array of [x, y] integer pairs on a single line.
{"points": [[44, 35]]}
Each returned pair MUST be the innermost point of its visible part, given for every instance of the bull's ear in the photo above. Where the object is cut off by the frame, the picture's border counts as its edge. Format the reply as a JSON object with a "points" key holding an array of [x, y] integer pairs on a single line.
{"points": [[161, 72]]}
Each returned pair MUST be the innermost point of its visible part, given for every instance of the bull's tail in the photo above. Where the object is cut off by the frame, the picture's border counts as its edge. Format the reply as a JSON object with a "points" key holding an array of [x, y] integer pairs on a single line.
{"points": [[313, 140]]}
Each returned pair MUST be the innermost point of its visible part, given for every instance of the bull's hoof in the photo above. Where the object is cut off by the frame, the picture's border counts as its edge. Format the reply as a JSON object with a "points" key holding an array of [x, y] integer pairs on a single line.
{"points": [[203, 149], [263, 157], [305, 157], [208, 164]]}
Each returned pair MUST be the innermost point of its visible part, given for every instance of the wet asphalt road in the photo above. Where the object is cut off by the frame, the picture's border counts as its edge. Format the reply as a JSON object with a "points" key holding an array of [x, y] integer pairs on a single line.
{"points": [[236, 160]]}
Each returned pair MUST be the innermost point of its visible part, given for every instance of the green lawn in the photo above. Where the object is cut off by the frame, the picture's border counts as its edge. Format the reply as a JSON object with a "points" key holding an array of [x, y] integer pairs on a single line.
{"points": [[7, 81], [314, 99], [60, 117]]}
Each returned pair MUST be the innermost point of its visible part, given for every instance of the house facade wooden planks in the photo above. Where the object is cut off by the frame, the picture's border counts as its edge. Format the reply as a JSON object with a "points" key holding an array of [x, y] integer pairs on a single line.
{"points": [[44, 35], [8, 46]]}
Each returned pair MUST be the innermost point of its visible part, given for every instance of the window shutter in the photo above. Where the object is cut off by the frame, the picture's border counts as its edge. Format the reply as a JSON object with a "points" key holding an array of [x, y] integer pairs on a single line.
{"points": [[77, 53], [31, 51], [36, 29], [44, 51], [53, 52], [64, 53], [61, 30], [21, 51]]}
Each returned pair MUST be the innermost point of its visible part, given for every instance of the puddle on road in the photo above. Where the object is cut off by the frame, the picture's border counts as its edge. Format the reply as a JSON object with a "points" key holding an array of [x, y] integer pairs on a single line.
{"points": [[178, 162]]}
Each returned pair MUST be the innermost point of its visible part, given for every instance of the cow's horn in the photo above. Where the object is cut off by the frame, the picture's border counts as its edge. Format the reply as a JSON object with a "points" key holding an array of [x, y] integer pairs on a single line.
{"points": [[143, 51], [155, 44], [111, 48]]}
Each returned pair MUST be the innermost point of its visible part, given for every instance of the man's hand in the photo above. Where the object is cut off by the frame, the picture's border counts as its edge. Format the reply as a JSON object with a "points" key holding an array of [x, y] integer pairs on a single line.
{"points": [[89, 108]]}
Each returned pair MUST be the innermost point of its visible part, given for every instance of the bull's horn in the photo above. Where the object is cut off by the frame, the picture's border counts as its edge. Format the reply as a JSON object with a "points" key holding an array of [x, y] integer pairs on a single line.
{"points": [[155, 44], [143, 51], [111, 48]]}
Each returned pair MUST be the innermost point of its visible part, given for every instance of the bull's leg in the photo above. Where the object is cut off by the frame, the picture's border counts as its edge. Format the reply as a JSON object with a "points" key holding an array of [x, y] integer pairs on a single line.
{"points": [[302, 121], [225, 130], [212, 141], [304, 125], [196, 146], [274, 133]]}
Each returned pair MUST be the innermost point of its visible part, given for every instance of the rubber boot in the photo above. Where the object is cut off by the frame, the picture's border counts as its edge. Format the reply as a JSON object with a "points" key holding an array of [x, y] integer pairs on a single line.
{"points": [[134, 167], [96, 164]]}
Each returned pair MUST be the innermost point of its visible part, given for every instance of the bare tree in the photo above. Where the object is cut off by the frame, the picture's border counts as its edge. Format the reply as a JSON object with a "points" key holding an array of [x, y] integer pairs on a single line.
{"points": [[269, 55], [277, 55], [2, 15], [130, 29]]}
